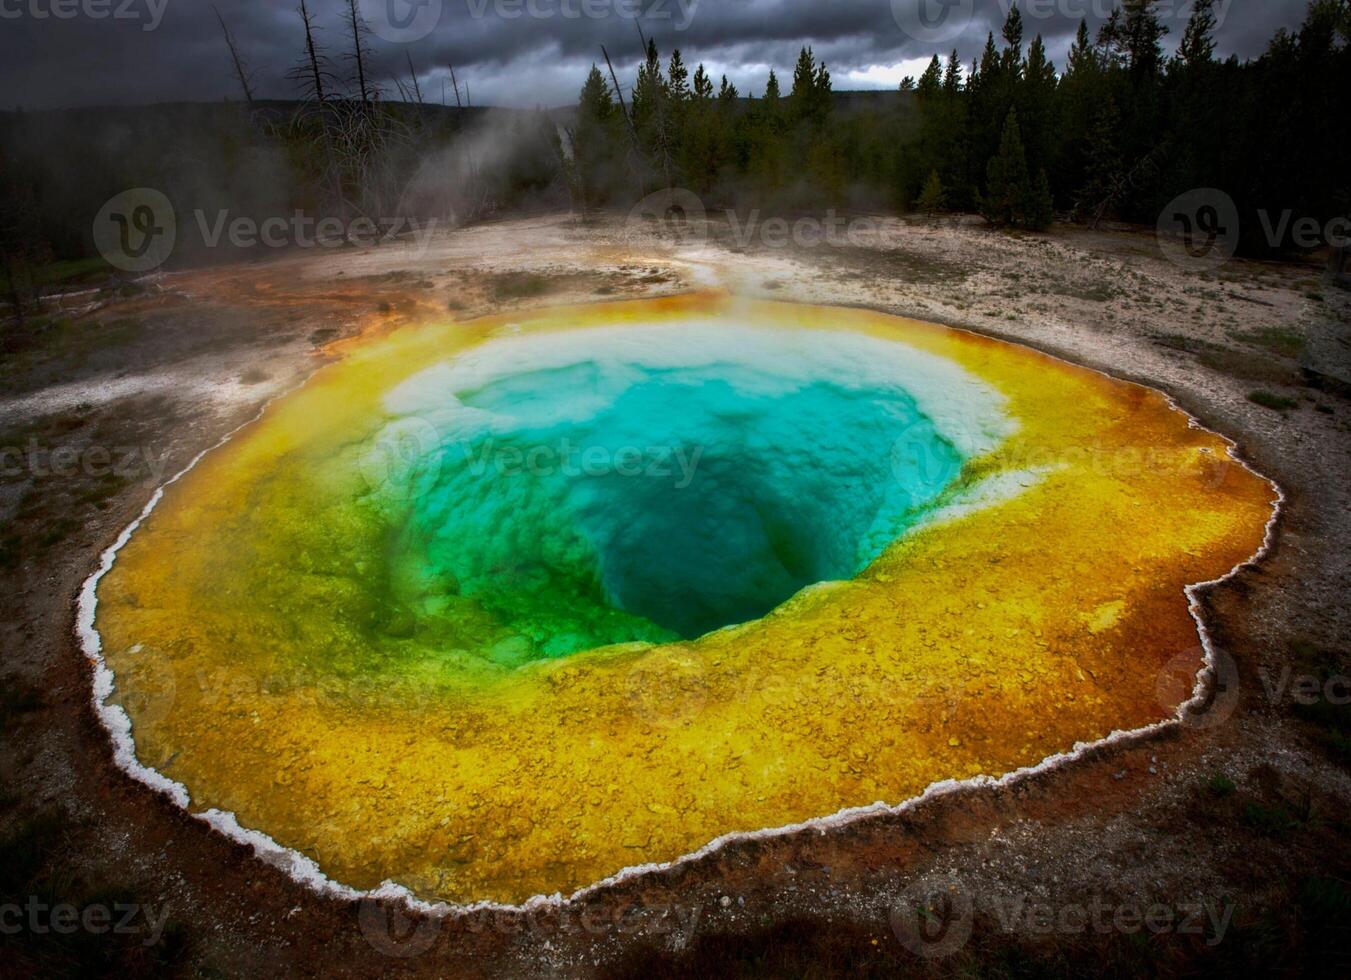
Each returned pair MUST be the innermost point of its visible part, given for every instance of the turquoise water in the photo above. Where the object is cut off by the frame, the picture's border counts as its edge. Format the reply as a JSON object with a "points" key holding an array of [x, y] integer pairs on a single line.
{"points": [[584, 504]]}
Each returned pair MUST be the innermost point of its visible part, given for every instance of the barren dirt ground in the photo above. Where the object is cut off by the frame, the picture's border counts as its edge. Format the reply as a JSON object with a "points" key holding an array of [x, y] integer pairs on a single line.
{"points": [[1246, 811]]}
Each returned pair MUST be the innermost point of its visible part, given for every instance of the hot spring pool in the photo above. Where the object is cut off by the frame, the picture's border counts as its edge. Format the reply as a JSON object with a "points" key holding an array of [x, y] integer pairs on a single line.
{"points": [[497, 609], [656, 483]]}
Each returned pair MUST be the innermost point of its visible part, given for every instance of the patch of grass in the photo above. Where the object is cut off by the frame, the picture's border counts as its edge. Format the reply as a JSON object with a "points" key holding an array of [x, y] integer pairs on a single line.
{"points": [[1270, 821], [1248, 366], [519, 285], [9, 552], [57, 531], [1221, 786], [107, 485], [65, 273], [1093, 292], [1277, 340], [1328, 710], [32, 868], [1267, 399], [17, 699], [1181, 342]]}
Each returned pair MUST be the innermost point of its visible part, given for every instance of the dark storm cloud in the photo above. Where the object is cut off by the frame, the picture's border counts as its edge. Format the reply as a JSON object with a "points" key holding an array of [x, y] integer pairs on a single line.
{"points": [[524, 52]]}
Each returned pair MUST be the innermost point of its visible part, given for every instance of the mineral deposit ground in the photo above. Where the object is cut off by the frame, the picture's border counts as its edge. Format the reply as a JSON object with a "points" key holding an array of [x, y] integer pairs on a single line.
{"points": [[1217, 840]]}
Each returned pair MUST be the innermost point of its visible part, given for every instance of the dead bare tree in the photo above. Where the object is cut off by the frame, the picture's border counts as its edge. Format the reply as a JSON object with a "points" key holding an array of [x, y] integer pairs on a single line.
{"points": [[241, 74], [359, 50], [456, 86], [314, 70], [417, 89], [623, 106]]}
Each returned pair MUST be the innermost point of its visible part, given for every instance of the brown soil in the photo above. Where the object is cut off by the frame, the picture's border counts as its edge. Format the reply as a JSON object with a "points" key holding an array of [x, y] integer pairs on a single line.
{"points": [[1250, 813]]}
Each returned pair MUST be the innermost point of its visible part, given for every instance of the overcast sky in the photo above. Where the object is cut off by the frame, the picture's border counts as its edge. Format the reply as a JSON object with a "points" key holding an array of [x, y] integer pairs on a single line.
{"points": [[526, 52]]}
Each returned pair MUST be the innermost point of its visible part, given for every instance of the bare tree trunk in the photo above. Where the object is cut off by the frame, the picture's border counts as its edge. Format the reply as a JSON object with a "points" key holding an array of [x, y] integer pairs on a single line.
{"points": [[456, 84], [354, 20], [314, 57], [623, 107], [417, 89], [240, 73]]}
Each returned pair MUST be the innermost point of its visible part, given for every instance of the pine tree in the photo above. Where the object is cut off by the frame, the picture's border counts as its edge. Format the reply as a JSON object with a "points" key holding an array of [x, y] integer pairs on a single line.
{"points": [[1083, 55], [1037, 104], [727, 94], [823, 90], [1007, 185], [931, 82], [1040, 211], [933, 198], [677, 79], [1142, 35], [703, 85], [595, 139], [649, 89], [804, 82], [772, 88], [952, 76], [1198, 42], [1013, 36]]}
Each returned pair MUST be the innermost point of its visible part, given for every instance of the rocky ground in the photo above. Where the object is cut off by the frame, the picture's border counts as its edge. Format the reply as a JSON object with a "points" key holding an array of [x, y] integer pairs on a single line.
{"points": [[1235, 825]]}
